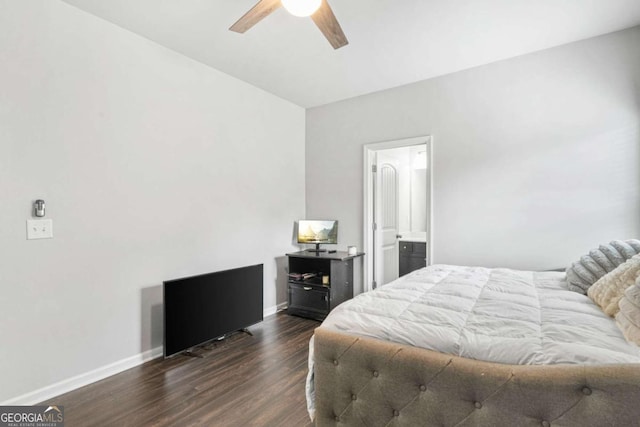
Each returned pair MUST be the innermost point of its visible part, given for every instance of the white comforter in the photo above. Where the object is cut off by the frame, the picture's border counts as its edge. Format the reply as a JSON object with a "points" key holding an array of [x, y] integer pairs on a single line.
{"points": [[496, 315]]}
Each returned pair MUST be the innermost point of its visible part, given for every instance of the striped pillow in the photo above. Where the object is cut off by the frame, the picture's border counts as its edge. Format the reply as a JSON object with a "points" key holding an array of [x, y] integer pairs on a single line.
{"points": [[591, 267]]}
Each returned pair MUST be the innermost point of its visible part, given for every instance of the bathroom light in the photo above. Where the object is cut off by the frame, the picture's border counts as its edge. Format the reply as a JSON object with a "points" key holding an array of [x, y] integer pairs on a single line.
{"points": [[301, 7]]}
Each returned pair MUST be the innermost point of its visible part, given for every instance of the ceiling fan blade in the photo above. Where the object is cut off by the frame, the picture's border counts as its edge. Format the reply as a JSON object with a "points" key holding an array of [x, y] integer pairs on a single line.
{"points": [[328, 24], [257, 13]]}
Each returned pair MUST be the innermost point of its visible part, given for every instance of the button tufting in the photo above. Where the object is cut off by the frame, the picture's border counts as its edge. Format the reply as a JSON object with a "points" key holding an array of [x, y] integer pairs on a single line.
{"points": [[546, 424], [478, 405], [335, 362], [396, 413], [375, 374], [586, 391], [354, 397], [423, 388], [337, 418]]}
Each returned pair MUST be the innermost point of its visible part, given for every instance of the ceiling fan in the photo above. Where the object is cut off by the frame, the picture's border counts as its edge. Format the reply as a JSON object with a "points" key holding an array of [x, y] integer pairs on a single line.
{"points": [[319, 10]]}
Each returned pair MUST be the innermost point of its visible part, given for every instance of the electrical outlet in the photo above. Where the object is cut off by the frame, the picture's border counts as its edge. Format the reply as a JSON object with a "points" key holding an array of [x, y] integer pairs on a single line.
{"points": [[39, 229]]}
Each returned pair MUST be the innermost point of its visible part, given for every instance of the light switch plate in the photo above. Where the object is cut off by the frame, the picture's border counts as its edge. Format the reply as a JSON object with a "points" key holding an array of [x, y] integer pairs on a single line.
{"points": [[39, 229]]}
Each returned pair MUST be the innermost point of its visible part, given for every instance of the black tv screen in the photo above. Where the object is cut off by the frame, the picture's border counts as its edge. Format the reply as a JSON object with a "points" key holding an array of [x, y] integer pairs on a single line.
{"points": [[201, 308]]}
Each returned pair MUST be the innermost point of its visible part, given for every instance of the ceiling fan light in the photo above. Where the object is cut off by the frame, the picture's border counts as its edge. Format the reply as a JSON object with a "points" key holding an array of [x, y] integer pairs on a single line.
{"points": [[301, 7]]}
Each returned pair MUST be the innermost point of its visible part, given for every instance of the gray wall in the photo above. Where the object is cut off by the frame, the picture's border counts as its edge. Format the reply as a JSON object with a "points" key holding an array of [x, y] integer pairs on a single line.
{"points": [[536, 158], [153, 167]]}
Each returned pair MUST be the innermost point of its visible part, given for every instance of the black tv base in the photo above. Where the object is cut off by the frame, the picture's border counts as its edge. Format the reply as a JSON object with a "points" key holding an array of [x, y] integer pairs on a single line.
{"points": [[206, 345], [317, 249], [190, 353]]}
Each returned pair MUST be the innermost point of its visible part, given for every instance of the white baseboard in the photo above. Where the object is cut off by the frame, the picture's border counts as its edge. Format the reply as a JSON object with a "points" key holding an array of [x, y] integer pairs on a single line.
{"points": [[273, 310], [81, 380], [98, 374]]}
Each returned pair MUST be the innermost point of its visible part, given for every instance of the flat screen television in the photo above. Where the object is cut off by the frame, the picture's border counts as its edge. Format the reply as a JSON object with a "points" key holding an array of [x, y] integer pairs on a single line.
{"points": [[317, 232], [201, 308]]}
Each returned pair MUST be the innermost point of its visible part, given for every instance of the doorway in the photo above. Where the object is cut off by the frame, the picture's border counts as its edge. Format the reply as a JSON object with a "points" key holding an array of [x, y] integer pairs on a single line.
{"points": [[397, 204]]}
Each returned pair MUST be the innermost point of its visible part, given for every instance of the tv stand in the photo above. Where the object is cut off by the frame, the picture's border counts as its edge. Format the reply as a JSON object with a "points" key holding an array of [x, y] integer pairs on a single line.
{"points": [[330, 284], [317, 249]]}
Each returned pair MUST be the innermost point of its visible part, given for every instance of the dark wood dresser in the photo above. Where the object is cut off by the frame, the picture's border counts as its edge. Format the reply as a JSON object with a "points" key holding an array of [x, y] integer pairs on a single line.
{"points": [[327, 282]]}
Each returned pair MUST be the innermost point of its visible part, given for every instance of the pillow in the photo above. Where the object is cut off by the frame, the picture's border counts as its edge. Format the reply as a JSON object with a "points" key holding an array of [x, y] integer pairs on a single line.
{"points": [[610, 288], [628, 318], [589, 268]]}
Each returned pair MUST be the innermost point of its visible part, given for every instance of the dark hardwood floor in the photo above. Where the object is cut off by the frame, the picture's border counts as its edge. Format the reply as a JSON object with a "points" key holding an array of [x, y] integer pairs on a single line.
{"points": [[241, 381]]}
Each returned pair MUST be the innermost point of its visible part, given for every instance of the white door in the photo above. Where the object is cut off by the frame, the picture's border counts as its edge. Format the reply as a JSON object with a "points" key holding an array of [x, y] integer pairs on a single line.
{"points": [[386, 213], [379, 229]]}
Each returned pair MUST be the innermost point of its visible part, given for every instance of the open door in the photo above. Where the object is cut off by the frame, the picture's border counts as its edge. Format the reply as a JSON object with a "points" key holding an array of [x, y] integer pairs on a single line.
{"points": [[397, 204], [386, 219]]}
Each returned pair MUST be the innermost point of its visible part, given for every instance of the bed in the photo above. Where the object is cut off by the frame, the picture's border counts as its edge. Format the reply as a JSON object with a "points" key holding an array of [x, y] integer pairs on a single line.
{"points": [[471, 346]]}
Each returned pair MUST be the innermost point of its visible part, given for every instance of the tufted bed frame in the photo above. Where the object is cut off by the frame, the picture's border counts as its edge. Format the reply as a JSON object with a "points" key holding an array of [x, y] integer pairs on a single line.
{"points": [[367, 382]]}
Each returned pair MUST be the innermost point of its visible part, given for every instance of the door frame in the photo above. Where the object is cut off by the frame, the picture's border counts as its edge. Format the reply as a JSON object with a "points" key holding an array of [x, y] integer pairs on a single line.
{"points": [[369, 153]]}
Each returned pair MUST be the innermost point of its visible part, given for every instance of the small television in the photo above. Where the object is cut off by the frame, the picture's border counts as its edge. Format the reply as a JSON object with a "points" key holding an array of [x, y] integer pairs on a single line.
{"points": [[202, 308], [317, 232]]}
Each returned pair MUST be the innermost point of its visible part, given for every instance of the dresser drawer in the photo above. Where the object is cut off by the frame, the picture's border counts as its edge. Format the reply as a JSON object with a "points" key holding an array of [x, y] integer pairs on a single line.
{"points": [[412, 247], [406, 247], [308, 298]]}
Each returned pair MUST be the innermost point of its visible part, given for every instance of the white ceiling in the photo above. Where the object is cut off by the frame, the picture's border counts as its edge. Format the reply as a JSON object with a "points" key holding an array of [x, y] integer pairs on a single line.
{"points": [[392, 42]]}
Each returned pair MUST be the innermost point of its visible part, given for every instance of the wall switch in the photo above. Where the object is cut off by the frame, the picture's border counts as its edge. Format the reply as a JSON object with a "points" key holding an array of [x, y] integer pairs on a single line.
{"points": [[39, 229]]}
